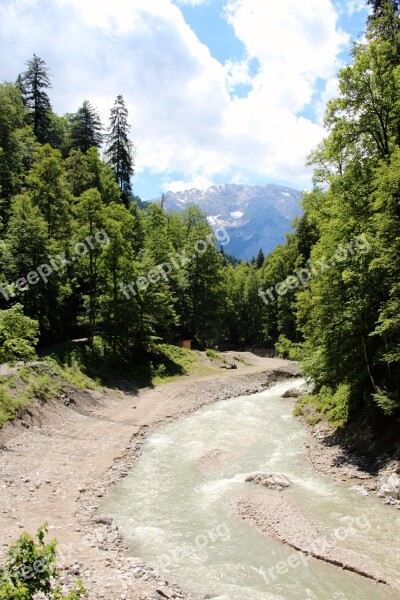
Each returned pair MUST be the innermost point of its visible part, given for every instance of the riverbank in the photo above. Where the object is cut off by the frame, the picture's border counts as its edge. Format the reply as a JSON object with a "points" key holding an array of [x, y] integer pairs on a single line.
{"points": [[355, 458], [58, 463]]}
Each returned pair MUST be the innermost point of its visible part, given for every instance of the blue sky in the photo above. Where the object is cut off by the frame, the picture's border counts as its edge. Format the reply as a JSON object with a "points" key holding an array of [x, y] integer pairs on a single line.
{"points": [[218, 91]]}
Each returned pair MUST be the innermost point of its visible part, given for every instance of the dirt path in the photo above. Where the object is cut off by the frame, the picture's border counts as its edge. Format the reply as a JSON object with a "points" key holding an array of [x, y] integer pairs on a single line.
{"points": [[58, 463]]}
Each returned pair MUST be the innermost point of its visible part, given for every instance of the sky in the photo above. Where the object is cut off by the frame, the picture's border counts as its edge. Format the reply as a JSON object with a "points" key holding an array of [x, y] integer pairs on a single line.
{"points": [[218, 91]]}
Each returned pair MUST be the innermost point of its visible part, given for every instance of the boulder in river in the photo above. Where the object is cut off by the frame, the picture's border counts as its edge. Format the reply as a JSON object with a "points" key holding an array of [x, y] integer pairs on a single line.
{"points": [[391, 487], [294, 393], [272, 481]]}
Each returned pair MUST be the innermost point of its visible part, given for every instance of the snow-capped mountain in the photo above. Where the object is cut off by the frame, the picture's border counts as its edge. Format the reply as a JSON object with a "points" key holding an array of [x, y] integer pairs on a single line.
{"points": [[255, 216]]}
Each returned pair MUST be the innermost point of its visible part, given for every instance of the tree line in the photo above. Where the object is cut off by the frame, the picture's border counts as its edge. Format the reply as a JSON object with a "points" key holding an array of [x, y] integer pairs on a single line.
{"points": [[344, 323], [329, 296]]}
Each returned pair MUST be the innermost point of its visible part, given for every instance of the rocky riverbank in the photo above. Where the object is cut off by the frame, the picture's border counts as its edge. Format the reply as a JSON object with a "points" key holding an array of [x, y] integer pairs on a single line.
{"points": [[58, 464]]}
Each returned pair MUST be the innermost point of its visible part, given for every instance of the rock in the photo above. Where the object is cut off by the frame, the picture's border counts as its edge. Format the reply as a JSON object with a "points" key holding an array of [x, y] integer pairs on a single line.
{"points": [[391, 488], [273, 481], [294, 393], [104, 520]]}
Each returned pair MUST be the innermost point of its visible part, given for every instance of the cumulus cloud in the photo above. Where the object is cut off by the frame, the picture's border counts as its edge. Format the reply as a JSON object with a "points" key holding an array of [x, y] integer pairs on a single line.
{"points": [[354, 6], [186, 116], [193, 2], [201, 182]]}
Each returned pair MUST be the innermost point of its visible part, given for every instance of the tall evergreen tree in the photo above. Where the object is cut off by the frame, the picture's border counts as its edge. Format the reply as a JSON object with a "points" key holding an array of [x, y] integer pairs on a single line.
{"points": [[260, 259], [33, 84], [85, 128], [379, 6], [120, 151]]}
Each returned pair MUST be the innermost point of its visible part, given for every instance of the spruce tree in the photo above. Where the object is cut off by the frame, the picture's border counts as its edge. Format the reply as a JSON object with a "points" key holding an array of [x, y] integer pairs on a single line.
{"points": [[120, 151], [33, 84], [85, 128], [379, 6], [260, 259]]}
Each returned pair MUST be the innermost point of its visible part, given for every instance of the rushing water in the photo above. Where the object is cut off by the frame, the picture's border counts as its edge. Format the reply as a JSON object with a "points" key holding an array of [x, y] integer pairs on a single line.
{"points": [[177, 514]]}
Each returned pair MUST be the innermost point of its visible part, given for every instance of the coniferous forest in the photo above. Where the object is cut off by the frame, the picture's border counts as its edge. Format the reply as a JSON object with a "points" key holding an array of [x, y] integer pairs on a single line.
{"points": [[81, 257]]}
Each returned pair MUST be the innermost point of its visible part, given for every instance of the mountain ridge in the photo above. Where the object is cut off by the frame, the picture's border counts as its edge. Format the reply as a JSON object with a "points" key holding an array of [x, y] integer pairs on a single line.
{"points": [[255, 216]]}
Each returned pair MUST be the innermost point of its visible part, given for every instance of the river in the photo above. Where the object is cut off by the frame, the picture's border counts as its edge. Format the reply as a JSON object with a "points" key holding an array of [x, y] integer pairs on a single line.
{"points": [[175, 510]]}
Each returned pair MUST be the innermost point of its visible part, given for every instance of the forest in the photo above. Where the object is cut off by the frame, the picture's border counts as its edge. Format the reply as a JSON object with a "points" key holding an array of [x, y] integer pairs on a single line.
{"points": [[81, 257]]}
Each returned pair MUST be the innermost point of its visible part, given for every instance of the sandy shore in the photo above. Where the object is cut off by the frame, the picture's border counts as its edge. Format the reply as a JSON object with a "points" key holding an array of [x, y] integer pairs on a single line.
{"points": [[277, 516], [58, 463]]}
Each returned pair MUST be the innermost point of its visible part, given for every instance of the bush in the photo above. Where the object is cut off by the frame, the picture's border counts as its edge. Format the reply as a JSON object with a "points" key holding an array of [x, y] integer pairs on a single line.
{"points": [[287, 349], [30, 569], [18, 335]]}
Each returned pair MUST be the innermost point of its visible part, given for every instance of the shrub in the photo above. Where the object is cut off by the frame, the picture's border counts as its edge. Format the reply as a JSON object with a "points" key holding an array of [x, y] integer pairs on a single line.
{"points": [[18, 335], [30, 569]]}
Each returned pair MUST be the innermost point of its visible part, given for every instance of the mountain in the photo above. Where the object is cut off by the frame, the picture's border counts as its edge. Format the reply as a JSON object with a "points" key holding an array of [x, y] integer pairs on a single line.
{"points": [[255, 216]]}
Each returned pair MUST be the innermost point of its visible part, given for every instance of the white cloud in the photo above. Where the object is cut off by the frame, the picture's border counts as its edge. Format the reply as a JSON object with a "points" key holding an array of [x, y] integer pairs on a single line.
{"points": [[200, 182], [193, 2], [185, 117], [354, 6]]}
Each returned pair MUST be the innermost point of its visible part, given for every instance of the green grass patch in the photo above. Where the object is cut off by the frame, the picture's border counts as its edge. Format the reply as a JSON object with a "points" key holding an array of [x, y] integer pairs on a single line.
{"points": [[9, 406], [213, 355], [242, 360], [82, 365], [71, 372]]}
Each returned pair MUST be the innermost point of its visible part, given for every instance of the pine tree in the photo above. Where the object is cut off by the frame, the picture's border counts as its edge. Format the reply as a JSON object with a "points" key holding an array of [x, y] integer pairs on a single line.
{"points": [[260, 259], [85, 128], [33, 84], [120, 151], [379, 6]]}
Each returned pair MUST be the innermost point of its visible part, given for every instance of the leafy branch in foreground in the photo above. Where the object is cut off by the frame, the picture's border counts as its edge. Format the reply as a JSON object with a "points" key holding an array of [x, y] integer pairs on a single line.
{"points": [[30, 569]]}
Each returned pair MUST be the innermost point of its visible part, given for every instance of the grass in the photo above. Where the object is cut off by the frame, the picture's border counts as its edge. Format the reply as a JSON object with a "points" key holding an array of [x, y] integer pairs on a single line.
{"points": [[72, 373], [39, 381], [87, 368], [9, 406], [213, 355], [82, 365], [242, 360]]}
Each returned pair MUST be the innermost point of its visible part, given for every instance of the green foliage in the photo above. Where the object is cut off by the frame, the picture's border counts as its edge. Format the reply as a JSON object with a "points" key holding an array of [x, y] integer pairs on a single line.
{"points": [[335, 406], [30, 569], [18, 335], [388, 403], [287, 349]]}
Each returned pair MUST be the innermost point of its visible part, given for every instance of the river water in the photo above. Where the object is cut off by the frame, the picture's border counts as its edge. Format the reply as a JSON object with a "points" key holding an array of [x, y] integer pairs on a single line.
{"points": [[175, 510]]}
